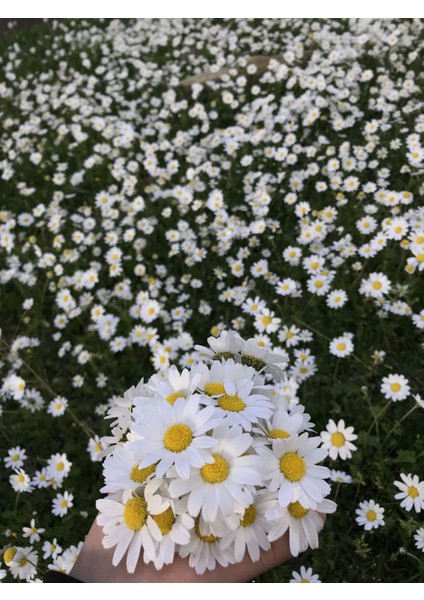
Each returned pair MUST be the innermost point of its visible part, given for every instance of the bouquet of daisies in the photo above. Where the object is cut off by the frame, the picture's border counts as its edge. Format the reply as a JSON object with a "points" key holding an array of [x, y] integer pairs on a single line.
{"points": [[211, 462]]}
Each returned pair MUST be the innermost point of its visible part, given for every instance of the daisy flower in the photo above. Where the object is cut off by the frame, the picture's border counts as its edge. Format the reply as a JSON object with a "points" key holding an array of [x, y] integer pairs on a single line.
{"points": [[289, 335], [130, 526], [419, 538], [305, 576], [341, 346], [212, 376], [175, 435], [251, 533], [282, 426], [58, 467], [217, 487], [169, 385], [62, 503], [22, 562], [376, 286], [285, 287], [338, 440], [150, 310], [378, 356], [57, 407], [20, 482], [227, 345], [395, 387], [303, 524], [204, 549], [94, 447], [32, 532], [70, 556], [336, 299], [122, 473], [253, 306], [16, 457], [340, 476], [418, 320], [60, 565], [51, 549], [266, 321], [14, 386], [419, 402], [418, 259], [370, 515], [234, 401], [174, 523], [258, 357], [291, 469], [411, 492]]}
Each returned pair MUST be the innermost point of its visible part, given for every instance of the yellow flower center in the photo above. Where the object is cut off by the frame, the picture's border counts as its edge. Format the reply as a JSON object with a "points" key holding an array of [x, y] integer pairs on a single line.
{"points": [[140, 475], [337, 439], [209, 539], [135, 513], [341, 346], [318, 283], [165, 520], [371, 515], [395, 387], [64, 503], [296, 510], [377, 285], [249, 516], [23, 561], [15, 457], [21, 479], [150, 311], [9, 554], [60, 466], [231, 403], [172, 397], [215, 472], [223, 355], [266, 320], [213, 389], [253, 361], [178, 437], [413, 492], [275, 434], [304, 581], [292, 466], [420, 258]]}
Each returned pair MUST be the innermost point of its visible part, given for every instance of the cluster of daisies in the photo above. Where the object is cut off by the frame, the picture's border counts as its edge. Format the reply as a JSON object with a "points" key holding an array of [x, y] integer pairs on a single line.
{"points": [[210, 463], [260, 176]]}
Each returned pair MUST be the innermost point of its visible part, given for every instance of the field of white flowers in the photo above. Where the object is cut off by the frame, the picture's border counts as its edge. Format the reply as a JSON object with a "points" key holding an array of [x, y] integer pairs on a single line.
{"points": [[165, 180]]}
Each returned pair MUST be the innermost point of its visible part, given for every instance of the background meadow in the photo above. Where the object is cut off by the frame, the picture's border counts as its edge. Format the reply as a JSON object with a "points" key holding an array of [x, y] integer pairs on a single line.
{"points": [[165, 180]]}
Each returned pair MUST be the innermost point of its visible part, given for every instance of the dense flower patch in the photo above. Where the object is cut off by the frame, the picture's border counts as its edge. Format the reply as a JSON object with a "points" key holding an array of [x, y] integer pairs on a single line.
{"points": [[163, 181]]}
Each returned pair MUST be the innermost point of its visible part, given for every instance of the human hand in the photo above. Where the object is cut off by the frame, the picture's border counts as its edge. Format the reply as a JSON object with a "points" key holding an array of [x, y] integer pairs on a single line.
{"points": [[94, 565]]}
